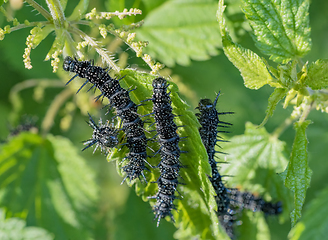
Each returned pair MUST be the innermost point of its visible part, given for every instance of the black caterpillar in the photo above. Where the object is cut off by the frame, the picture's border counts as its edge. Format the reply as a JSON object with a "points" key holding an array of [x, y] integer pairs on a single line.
{"points": [[247, 200], [103, 136], [118, 98], [168, 138], [209, 121]]}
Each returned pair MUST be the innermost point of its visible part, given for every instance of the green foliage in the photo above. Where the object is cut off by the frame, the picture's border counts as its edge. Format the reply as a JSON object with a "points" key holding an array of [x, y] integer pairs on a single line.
{"points": [[41, 179], [298, 173], [317, 75], [198, 193], [314, 223], [47, 184], [281, 29], [254, 159], [14, 228], [177, 37]]}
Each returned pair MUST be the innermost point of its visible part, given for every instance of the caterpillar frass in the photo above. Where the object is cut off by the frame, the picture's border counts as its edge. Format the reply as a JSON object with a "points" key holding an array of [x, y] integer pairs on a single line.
{"points": [[103, 136], [126, 109], [209, 121], [169, 151], [247, 200]]}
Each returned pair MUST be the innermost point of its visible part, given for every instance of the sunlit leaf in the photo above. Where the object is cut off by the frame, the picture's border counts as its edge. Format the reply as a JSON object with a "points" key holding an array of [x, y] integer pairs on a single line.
{"points": [[254, 160], [317, 76], [281, 28], [181, 30], [250, 65]]}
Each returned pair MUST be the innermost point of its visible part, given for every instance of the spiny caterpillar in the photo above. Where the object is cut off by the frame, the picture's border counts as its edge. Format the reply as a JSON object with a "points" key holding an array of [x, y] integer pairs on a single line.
{"points": [[126, 109], [169, 151]]}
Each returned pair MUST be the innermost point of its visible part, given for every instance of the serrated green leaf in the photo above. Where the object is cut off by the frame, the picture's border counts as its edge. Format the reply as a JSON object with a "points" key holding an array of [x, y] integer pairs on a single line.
{"points": [[250, 65], [298, 175], [195, 215], [277, 95], [314, 223], [317, 75], [281, 28], [254, 160], [79, 10], [15, 229], [46, 181], [181, 30]]}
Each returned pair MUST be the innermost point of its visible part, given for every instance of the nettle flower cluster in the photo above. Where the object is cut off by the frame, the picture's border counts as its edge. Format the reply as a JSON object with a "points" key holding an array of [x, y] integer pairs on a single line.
{"points": [[65, 27]]}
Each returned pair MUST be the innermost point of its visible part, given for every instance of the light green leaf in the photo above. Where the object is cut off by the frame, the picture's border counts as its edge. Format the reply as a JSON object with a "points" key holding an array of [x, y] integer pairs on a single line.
{"points": [[298, 175], [79, 10], [250, 65], [15, 229], [42, 34], [317, 76], [253, 227], [281, 28], [275, 97], [254, 160], [195, 215], [180, 30], [314, 223], [46, 181]]}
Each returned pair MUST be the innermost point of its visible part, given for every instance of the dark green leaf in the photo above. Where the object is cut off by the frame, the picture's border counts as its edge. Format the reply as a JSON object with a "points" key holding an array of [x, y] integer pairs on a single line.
{"points": [[281, 28], [275, 97], [180, 30], [298, 175], [250, 65], [15, 229], [314, 223], [46, 181], [317, 76]]}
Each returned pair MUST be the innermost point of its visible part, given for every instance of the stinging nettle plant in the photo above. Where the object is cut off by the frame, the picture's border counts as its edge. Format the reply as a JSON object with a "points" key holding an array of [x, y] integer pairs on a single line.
{"points": [[280, 30]]}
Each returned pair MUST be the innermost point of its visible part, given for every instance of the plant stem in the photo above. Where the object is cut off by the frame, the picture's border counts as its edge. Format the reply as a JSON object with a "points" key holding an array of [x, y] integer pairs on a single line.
{"points": [[57, 13], [306, 112], [95, 45], [40, 9], [48, 120]]}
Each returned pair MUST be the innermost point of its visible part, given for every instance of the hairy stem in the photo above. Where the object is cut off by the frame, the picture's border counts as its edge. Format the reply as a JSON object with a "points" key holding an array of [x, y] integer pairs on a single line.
{"points": [[96, 46], [87, 23], [57, 13], [40, 9], [48, 120]]}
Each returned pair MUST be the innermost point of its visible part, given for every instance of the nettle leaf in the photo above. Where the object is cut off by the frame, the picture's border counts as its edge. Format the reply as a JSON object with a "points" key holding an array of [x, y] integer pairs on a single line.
{"points": [[281, 28], [277, 95], [49, 184], [195, 215], [317, 75], [254, 160], [298, 173], [180, 30], [314, 223], [252, 68], [253, 227], [15, 228]]}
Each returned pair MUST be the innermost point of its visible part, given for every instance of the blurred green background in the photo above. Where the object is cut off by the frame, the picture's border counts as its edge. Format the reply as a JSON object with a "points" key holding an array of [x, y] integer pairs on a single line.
{"points": [[120, 210]]}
